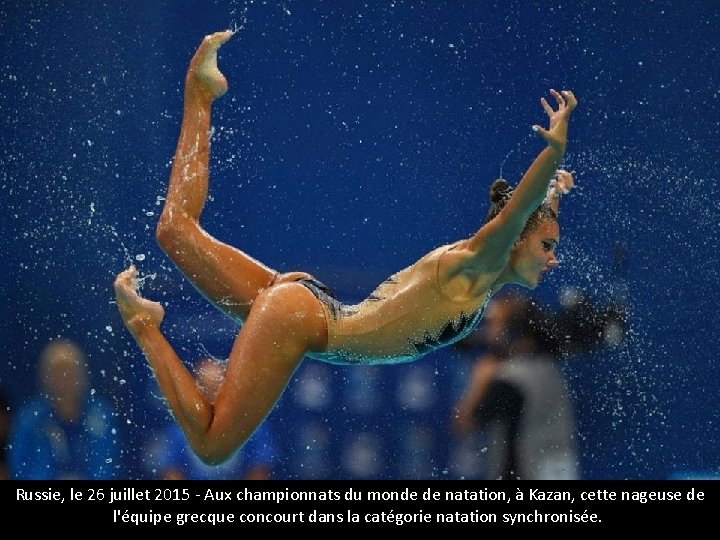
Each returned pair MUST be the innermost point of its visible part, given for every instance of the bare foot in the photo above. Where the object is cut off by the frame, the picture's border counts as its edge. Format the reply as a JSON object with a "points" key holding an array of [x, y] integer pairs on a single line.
{"points": [[134, 309], [203, 73]]}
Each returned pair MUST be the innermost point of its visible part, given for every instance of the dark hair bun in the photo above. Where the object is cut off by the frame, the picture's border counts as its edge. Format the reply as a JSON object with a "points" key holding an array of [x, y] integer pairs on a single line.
{"points": [[500, 191]]}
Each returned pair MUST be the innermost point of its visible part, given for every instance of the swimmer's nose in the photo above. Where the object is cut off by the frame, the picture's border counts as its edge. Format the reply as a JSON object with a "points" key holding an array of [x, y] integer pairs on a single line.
{"points": [[553, 263]]}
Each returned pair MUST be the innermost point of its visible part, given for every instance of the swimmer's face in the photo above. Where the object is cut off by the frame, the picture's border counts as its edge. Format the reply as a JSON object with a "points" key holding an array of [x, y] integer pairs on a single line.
{"points": [[534, 254]]}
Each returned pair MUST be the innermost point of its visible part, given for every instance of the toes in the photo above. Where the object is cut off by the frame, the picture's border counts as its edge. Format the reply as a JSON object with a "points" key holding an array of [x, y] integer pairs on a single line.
{"points": [[218, 38], [125, 278], [126, 274]]}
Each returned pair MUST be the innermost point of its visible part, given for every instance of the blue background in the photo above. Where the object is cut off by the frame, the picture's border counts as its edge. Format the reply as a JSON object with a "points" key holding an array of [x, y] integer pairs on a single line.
{"points": [[355, 137]]}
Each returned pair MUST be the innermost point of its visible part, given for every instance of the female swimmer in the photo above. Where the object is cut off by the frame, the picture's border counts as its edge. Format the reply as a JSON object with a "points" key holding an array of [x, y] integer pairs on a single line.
{"points": [[286, 316]]}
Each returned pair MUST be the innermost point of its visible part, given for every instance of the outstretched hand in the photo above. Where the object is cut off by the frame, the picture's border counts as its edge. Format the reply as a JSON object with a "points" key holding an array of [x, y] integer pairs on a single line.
{"points": [[564, 182], [559, 186], [556, 135]]}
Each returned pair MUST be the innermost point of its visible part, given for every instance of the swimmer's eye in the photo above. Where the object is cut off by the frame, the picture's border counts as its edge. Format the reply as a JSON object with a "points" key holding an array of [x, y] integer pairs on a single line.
{"points": [[549, 245]]}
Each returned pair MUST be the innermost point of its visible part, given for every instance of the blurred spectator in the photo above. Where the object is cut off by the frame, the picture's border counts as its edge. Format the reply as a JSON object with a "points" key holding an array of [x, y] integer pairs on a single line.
{"points": [[5, 423], [517, 394], [64, 432], [177, 461]]}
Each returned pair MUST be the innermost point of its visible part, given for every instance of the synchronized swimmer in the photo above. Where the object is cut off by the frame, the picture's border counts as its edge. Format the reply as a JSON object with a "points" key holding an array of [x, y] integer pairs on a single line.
{"points": [[286, 316]]}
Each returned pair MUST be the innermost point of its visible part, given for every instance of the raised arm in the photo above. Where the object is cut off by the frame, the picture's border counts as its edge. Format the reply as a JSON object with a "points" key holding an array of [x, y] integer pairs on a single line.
{"points": [[494, 240]]}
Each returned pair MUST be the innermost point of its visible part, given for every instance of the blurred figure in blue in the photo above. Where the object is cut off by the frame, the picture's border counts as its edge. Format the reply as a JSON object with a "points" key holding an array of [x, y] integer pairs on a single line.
{"points": [[176, 460], [64, 432]]}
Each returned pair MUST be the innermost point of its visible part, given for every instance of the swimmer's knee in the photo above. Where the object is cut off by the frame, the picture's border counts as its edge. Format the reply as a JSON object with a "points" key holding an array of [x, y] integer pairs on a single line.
{"points": [[165, 229], [210, 457], [172, 227], [212, 452]]}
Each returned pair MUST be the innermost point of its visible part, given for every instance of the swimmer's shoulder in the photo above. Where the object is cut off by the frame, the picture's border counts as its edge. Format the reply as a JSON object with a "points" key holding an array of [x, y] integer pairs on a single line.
{"points": [[463, 273]]}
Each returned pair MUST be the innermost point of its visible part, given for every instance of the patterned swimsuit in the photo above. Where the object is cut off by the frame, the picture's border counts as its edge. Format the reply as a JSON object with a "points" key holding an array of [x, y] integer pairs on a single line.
{"points": [[405, 318]]}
